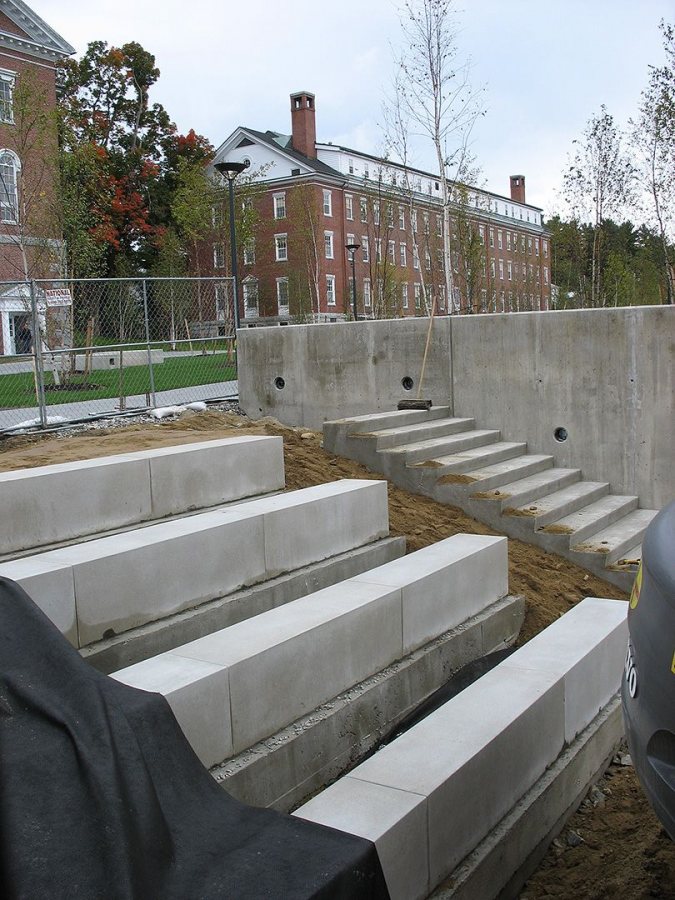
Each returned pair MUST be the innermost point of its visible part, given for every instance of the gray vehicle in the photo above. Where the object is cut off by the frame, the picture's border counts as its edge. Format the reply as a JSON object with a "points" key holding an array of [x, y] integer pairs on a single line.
{"points": [[648, 685]]}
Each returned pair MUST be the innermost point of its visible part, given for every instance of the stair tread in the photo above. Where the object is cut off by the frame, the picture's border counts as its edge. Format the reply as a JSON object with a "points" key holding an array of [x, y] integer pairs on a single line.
{"points": [[441, 442], [474, 453], [388, 414], [422, 426], [531, 482], [615, 535], [550, 502], [593, 511], [629, 559], [506, 466]]}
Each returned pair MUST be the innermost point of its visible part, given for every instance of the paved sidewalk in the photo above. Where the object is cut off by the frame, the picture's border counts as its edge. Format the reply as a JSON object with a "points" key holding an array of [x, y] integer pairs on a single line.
{"points": [[10, 418]]}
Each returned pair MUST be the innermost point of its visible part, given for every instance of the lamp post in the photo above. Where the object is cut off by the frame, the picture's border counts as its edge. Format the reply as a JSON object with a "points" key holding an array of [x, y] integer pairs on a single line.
{"points": [[352, 248], [230, 170]]}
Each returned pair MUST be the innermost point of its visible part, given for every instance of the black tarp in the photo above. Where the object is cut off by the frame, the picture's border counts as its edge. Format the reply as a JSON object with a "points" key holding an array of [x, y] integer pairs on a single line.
{"points": [[101, 795]]}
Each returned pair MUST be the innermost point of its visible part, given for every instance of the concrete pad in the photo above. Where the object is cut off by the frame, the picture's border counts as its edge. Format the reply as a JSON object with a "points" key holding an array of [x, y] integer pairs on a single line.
{"points": [[286, 662], [195, 476], [198, 694], [49, 584], [56, 503], [586, 650], [394, 820], [445, 584]]}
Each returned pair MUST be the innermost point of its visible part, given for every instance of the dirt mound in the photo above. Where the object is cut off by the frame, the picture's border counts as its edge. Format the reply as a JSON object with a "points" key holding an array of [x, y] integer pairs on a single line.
{"points": [[614, 847]]}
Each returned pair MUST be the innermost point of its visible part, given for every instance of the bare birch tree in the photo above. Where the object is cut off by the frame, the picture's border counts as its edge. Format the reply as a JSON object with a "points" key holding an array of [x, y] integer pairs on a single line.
{"points": [[436, 98]]}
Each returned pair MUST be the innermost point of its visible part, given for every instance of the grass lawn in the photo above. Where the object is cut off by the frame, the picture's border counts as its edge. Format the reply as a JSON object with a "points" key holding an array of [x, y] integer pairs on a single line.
{"points": [[188, 371]]}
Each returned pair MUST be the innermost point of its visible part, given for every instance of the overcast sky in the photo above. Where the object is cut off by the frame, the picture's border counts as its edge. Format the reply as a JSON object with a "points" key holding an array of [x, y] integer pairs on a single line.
{"points": [[547, 66]]}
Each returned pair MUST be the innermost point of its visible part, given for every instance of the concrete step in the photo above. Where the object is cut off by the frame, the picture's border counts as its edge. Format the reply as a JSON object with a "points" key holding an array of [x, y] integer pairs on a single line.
{"points": [[473, 457], [592, 518], [532, 487], [420, 431], [478, 482], [629, 560], [336, 434], [619, 537], [411, 454], [561, 503]]}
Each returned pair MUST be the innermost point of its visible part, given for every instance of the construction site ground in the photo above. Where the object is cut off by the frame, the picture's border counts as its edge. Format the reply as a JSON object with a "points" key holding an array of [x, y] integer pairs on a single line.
{"points": [[614, 846]]}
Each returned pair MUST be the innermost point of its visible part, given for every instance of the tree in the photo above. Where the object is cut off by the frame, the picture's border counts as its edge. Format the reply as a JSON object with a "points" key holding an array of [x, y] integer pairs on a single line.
{"points": [[653, 137], [435, 96], [599, 184]]}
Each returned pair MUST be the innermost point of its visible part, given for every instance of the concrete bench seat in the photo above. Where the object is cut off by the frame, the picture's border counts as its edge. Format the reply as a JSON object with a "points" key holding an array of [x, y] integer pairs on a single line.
{"points": [[242, 684], [54, 504], [433, 795], [112, 584]]}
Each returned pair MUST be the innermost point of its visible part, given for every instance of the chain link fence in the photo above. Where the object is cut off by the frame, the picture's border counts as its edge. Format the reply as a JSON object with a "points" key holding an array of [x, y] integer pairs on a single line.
{"points": [[79, 349]]}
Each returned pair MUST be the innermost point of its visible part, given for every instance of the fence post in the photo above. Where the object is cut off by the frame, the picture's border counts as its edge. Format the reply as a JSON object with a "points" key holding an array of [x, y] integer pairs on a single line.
{"points": [[147, 338], [37, 358]]}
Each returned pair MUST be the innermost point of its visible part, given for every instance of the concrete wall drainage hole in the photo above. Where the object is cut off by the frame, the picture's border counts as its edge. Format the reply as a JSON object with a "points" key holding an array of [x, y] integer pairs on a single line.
{"points": [[407, 383], [560, 434], [279, 383]]}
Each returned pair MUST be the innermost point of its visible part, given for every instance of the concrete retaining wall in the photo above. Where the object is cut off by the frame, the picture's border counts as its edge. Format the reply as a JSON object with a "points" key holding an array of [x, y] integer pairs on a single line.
{"points": [[432, 796], [606, 376], [52, 504]]}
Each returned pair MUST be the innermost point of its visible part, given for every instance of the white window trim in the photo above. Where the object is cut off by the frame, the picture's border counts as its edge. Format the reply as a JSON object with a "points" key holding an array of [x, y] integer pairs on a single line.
{"points": [[280, 201], [327, 202], [330, 290], [328, 244], [277, 239]]}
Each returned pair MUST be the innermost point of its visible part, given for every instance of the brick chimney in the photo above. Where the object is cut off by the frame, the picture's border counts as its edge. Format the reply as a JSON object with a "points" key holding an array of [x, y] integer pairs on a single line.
{"points": [[518, 188], [303, 124]]}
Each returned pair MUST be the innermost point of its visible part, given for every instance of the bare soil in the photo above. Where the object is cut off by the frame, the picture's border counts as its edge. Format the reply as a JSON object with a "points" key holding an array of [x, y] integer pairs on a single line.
{"points": [[614, 847]]}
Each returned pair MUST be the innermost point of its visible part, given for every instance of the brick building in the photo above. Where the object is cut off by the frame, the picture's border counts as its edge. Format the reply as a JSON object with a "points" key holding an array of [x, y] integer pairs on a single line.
{"points": [[29, 247], [313, 199]]}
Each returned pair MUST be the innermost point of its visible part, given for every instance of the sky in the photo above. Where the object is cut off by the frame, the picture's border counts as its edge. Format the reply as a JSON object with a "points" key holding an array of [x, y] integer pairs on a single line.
{"points": [[546, 67]]}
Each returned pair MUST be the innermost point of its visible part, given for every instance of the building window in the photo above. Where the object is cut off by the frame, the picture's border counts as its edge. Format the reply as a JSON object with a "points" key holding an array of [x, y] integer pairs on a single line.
{"points": [[281, 247], [404, 295], [439, 226], [481, 234], [249, 252], [376, 213], [217, 216], [328, 244], [282, 296], [218, 249], [413, 220], [402, 255], [6, 97], [418, 296], [351, 166], [441, 296], [427, 260], [416, 257], [508, 240], [536, 246], [524, 271], [365, 248], [401, 217], [499, 239], [545, 247], [545, 274], [9, 196], [378, 250], [390, 215], [328, 203], [330, 290], [501, 269], [425, 220], [392, 252], [367, 296], [529, 245], [492, 237], [366, 170], [363, 204], [250, 288], [509, 270], [220, 293], [349, 207], [280, 206], [492, 268]]}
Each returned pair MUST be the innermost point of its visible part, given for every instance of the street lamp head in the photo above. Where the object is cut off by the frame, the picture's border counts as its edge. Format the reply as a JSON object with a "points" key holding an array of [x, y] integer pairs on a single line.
{"points": [[230, 170], [352, 247]]}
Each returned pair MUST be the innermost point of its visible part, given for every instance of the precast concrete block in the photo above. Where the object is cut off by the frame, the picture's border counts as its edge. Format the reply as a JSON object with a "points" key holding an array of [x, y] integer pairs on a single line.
{"points": [[585, 649], [126, 580], [295, 523], [445, 584], [395, 821], [474, 758], [198, 694], [286, 662], [56, 503], [195, 476], [49, 584]]}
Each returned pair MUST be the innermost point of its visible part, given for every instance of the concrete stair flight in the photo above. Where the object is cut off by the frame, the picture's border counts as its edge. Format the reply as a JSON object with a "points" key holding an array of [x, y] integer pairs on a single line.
{"points": [[520, 493]]}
